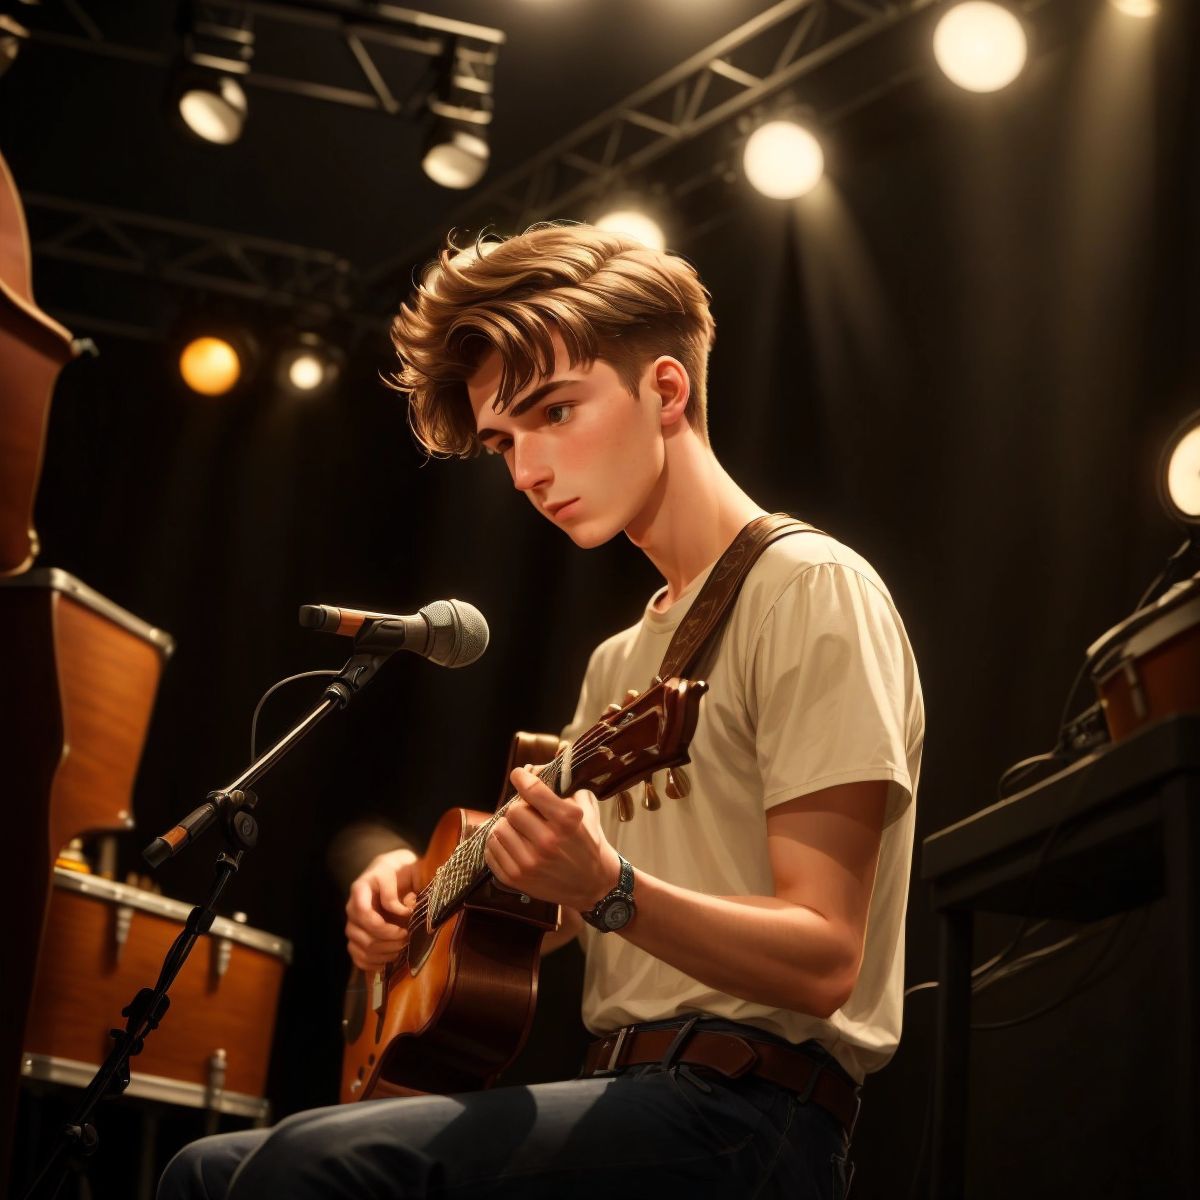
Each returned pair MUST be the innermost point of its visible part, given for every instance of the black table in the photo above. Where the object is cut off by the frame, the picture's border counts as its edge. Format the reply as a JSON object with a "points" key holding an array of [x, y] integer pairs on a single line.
{"points": [[1113, 831]]}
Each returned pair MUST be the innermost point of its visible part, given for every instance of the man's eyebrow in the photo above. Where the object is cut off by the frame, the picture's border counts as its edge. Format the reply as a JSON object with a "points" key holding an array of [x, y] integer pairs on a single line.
{"points": [[539, 393]]}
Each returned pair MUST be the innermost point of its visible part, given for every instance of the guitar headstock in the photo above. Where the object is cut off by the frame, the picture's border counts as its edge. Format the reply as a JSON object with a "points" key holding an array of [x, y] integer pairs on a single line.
{"points": [[650, 733]]}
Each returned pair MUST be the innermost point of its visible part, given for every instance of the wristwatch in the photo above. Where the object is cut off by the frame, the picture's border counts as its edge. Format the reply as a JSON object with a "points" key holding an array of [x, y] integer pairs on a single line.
{"points": [[617, 909]]}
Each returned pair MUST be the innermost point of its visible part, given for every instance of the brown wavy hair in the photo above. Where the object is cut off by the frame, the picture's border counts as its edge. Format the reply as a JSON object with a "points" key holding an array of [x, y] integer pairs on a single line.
{"points": [[610, 298]]}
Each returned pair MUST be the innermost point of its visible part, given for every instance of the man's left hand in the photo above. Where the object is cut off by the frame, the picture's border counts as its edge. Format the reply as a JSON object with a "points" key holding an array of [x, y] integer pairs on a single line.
{"points": [[551, 847]]}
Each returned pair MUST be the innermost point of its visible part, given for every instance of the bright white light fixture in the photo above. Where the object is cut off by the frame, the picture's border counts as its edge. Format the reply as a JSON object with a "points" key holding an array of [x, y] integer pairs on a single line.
{"points": [[1180, 473], [308, 366], [783, 160], [305, 372], [636, 225], [455, 157], [980, 46], [1137, 8], [214, 108]]}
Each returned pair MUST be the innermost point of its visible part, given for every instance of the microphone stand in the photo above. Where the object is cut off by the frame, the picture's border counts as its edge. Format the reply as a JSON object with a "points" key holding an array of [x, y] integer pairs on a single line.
{"points": [[79, 1139]]}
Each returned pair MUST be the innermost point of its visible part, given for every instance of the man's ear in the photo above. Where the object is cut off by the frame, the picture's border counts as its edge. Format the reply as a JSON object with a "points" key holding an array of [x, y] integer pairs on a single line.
{"points": [[669, 382]]}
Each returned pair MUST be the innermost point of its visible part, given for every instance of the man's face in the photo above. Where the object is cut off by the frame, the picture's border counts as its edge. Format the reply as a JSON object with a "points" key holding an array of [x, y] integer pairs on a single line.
{"points": [[586, 453]]}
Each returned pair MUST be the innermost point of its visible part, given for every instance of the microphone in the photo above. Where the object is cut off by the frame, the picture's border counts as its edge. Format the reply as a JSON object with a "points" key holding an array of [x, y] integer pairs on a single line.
{"points": [[450, 633]]}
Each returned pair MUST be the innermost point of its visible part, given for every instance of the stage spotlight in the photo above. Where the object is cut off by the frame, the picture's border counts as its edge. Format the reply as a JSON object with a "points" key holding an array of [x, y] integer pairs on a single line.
{"points": [[456, 156], [210, 366], [456, 149], [1137, 8], [216, 50], [212, 107], [980, 46], [634, 224], [309, 366], [783, 160], [1179, 473]]}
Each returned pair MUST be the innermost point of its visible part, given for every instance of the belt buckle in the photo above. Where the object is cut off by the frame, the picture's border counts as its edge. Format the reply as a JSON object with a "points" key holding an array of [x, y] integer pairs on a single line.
{"points": [[616, 1050]]}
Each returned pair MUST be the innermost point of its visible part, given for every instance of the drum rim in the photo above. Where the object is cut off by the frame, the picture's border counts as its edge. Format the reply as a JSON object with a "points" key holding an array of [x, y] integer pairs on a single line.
{"points": [[99, 888], [1113, 642], [55, 579]]}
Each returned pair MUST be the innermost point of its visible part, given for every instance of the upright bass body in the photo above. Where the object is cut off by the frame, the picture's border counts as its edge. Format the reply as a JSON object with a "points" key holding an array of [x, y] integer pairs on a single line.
{"points": [[456, 1012]]}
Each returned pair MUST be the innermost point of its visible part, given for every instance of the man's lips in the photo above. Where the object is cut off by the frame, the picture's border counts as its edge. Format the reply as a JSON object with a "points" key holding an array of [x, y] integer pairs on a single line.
{"points": [[555, 509]]}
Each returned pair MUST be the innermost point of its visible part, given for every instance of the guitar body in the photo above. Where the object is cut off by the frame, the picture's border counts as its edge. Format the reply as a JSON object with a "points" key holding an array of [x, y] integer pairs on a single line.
{"points": [[454, 1009], [458, 1011]]}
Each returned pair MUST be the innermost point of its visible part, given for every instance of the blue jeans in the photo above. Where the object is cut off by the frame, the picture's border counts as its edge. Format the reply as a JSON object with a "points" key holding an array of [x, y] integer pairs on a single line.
{"points": [[628, 1135]]}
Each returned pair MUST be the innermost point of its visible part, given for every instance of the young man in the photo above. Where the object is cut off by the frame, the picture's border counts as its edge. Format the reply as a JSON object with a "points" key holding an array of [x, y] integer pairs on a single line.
{"points": [[757, 974]]}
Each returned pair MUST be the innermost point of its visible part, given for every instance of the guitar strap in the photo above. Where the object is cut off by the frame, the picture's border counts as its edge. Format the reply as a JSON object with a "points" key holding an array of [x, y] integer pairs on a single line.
{"points": [[695, 641]]}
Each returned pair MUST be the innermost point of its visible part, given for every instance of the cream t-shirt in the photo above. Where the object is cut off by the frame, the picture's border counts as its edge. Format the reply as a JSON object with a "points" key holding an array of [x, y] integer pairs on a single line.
{"points": [[814, 684]]}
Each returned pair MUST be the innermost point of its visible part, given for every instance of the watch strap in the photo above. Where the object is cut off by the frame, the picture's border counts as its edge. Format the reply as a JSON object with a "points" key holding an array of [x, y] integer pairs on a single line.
{"points": [[623, 891]]}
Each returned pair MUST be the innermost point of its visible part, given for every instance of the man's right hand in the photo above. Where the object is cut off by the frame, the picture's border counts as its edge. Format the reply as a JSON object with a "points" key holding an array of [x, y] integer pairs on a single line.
{"points": [[378, 909]]}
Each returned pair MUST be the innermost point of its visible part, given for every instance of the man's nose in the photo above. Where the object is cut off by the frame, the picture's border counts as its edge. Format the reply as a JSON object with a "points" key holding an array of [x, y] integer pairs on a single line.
{"points": [[530, 469]]}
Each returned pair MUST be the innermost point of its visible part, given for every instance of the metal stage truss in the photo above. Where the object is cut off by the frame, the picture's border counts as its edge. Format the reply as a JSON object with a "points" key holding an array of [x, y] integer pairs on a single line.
{"points": [[364, 28], [716, 92]]}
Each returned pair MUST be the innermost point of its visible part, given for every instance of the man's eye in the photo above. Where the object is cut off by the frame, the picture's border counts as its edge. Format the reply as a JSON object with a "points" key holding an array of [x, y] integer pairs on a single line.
{"points": [[563, 412], [497, 449]]}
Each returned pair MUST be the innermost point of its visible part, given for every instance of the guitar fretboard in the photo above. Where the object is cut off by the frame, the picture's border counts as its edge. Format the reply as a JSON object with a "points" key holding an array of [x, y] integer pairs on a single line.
{"points": [[465, 868]]}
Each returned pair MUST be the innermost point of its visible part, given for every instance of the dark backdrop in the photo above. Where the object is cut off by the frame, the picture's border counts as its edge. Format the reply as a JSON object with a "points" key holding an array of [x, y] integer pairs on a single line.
{"points": [[962, 359]]}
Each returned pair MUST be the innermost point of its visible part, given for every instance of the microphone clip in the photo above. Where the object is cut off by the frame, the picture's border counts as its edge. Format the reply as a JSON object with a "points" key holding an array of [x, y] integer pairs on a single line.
{"points": [[354, 676]]}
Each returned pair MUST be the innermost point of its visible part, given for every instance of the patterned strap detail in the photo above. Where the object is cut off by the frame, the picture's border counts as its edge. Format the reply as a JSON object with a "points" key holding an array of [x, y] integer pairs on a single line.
{"points": [[698, 630]]}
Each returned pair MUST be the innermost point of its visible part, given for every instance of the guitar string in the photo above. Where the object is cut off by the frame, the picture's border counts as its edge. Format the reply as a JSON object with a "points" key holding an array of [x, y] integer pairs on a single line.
{"points": [[582, 750], [460, 873]]}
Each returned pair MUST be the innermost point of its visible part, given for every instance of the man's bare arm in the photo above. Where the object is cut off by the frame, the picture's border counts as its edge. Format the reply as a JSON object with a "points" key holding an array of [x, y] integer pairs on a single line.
{"points": [[799, 948]]}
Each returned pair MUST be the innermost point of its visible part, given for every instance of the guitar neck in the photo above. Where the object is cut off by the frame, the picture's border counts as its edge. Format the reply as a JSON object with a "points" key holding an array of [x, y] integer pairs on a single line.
{"points": [[626, 745], [465, 868]]}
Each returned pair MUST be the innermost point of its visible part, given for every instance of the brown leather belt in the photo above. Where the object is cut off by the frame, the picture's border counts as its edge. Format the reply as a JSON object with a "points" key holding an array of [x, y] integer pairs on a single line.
{"points": [[731, 1055]]}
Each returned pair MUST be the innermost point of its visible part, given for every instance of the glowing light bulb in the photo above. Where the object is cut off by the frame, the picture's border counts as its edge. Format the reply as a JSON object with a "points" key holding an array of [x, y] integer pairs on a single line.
{"points": [[306, 371], [783, 160], [210, 366], [980, 46], [215, 110], [1183, 474], [636, 225]]}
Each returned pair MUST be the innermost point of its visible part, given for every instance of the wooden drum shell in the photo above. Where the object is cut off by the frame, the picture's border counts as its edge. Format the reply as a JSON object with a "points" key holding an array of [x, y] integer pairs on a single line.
{"points": [[224, 999], [1149, 666]]}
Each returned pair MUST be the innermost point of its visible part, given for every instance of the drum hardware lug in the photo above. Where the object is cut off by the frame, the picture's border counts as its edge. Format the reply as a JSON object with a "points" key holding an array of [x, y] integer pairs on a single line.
{"points": [[218, 1063], [1136, 695], [122, 920], [222, 953]]}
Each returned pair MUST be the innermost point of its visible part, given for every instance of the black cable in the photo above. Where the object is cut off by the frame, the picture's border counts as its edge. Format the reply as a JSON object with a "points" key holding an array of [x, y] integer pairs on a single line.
{"points": [[266, 696], [1033, 958], [992, 971], [1087, 979], [1165, 573]]}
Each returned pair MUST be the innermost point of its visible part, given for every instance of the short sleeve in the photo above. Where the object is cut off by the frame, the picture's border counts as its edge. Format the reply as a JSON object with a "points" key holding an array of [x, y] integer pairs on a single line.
{"points": [[831, 689]]}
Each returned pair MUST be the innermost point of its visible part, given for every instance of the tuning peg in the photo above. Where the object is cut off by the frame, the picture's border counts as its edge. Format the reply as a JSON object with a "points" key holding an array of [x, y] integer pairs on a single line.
{"points": [[631, 695], [624, 806], [679, 786], [612, 708], [650, 800]]}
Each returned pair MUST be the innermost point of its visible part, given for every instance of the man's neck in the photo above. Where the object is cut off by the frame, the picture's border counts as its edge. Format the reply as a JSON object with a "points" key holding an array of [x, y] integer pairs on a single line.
{"points": [[693, 515]]}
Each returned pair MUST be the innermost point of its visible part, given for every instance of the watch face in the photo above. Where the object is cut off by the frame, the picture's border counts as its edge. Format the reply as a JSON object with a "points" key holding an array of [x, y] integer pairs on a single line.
{"points": [[618, 914]]}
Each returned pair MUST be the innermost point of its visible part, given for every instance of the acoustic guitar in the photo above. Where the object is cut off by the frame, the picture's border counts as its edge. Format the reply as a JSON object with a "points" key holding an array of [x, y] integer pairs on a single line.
{"points": [[454, 1009]]}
